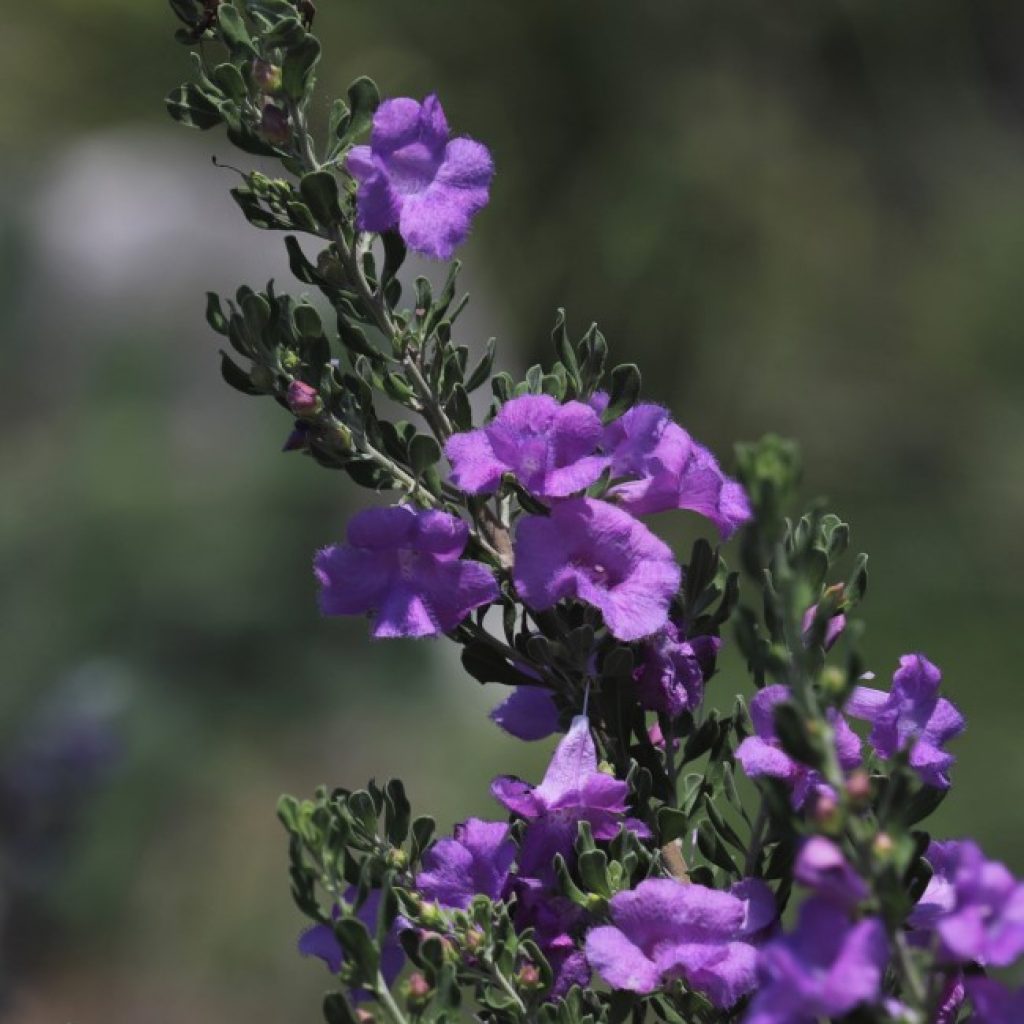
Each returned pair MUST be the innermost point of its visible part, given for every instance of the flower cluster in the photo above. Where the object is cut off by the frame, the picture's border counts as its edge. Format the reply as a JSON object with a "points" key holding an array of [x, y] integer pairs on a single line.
{"points": [[642, 877]]}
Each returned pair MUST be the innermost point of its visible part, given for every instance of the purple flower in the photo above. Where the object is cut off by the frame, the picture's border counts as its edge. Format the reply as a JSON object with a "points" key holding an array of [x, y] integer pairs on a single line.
{"points": [[762, 753], [298, 439], [665, 929], [671, 470], [555, 921], [833, 630], [911, 714], [673, 670], [476, 861], [594, 552], [994, 1003], [821, 866], [573, 790], [402, 565], [321, 942], [825, 968], [411, 177], [550, 448], [529, 713], [975, 906]]}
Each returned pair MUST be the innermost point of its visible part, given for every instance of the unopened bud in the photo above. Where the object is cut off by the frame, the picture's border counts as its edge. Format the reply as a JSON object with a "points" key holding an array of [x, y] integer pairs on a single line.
{"points": [[267, 76], [883, 845], [274, 125], [474, 940], [858, 787], [833, 680], [365, 1017], [417, 991], [303, 400], [397, 859], [826, 811], [431, 916], [529, 977]]}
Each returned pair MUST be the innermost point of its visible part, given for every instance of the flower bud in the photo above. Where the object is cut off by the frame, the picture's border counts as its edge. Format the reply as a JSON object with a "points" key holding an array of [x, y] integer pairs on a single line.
{"points": [[303, 400], [833, 679], [858, 787], [529, 977], [826, 811], [417, 992], [267, 76], [397, 859], [474, 940], [883, 846], [274, 125], [365, 1017], [430, 915]]}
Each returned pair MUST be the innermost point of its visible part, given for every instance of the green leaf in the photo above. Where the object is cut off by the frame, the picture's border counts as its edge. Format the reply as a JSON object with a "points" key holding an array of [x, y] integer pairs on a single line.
{"points": [[299, 66], [672, 824], [234, 375], [422, 830], [712, 847], [229, 80], [215, 315], [363, 100], [794, 737], [623, 392], [459, 410], [338, 1010], [424, 451], [397, 812], [479, 374], [338, 120], [189, 106], [359, 948], [234, 32], [320, 191]]}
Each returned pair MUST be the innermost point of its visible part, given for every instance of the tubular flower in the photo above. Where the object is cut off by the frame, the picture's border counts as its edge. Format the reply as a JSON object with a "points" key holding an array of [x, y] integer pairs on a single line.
{"points": [[402, 565], [911, 714], [415, 179], [762, 753], [573, 790], [670, 470], [664, 929], [590, 550], [550, 448], [475, 861]]}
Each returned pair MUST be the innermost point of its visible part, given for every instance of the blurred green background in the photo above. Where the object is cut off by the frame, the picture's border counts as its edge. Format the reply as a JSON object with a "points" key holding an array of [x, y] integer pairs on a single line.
{"points": [[806, 218]]}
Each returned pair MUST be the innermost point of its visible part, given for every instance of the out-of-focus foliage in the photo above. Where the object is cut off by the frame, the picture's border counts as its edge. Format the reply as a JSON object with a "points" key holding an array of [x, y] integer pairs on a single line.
{"points": [[806, 219]]}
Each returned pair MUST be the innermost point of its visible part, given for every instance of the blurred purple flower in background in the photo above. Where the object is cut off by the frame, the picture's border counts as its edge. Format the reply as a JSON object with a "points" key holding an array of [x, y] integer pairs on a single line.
{"points": [[321, 942], [762, 753], [975, 906], [403, 565], [994, 1003], [413, 179], [825, 968], [821, 866]]}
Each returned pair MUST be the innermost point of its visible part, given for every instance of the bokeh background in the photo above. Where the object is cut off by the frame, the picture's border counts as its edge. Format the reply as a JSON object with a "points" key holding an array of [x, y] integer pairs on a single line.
{"points": [[806, 218]]}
